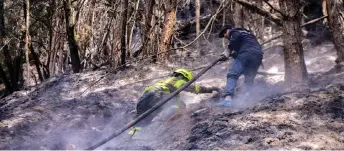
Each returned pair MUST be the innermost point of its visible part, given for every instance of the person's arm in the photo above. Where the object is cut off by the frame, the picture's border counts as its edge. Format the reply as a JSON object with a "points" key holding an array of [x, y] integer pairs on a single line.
{"points": [[234, 39], [196, 88]]}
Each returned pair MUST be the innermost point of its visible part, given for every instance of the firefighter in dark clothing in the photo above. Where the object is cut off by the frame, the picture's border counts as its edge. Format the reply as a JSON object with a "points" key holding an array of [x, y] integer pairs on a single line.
{"points": [[247, 53], [153, 94]]}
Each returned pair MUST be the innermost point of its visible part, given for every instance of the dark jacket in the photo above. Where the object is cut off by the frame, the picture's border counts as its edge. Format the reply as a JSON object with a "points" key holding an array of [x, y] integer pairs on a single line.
{"points": [[242, 40]]}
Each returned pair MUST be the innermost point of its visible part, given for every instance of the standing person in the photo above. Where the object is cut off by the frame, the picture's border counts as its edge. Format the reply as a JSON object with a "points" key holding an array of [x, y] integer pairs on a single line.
{"points": [[247, 53]]}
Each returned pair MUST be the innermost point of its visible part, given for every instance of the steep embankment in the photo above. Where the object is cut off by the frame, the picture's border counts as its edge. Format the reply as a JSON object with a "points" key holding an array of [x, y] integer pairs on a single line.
{"points": [[62, 113]]}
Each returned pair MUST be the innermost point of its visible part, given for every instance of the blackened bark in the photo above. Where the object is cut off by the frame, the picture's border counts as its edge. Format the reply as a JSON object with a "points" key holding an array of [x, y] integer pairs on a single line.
{"points": [[37, 63], [5, 80], [295, 68], [70, 28], [124, 31], [50, 62], [7, 56], [336, 26]]}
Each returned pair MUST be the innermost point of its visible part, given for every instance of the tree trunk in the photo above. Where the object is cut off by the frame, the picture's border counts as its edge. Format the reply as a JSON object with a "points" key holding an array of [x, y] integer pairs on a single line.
{"points": [[18, 61], [295, 68], [259, 23], [60, 62], [70, 28], [147, 27], [7, 55], [224, 12], [37, 63], [3, 75], [334, 8], [28, 39], [52, 35], [168, 29], [5, 80], [124, 31], [198, 25], [131, 32], [238, 15]]}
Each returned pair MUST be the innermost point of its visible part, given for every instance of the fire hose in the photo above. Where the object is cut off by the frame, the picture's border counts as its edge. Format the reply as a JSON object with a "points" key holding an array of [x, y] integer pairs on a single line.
{"points": [[162, 102]]}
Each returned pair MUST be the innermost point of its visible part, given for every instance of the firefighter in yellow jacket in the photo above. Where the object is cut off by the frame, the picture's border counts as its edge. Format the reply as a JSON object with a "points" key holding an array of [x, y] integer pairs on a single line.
{"points": [[155, 93]]}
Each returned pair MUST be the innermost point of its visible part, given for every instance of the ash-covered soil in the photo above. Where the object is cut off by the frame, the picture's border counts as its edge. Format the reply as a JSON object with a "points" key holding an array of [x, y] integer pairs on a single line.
{"points": [[310, 119], [70, 112]]}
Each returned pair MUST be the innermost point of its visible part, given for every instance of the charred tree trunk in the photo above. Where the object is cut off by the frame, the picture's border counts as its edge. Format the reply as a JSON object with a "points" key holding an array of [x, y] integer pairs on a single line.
{"points": [[5, 80], [168, 29], [10, 67], [334, 10], [7, 55], [37, 63], [70, 28], [3, 75], [295, 68], [18, 61], [124, 31]]}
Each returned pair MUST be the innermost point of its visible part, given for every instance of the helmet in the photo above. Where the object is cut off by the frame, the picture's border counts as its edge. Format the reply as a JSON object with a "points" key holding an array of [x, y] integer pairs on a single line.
{"points": [[186, 73]]}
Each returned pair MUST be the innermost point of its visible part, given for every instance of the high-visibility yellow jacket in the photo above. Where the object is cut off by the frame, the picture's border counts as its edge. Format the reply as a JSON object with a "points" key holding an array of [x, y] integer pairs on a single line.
{"points": [[173, 83]]}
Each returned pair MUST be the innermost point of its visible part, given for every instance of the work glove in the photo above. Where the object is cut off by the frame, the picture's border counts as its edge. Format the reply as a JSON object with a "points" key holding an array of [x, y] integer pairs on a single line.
{"points": [[134, 130], [197, 88], [233, 55], [215, 89], [218, 91]]}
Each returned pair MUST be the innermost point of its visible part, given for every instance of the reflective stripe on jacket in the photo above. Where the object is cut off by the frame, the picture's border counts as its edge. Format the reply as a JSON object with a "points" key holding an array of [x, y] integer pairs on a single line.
{"points": [[167, 86]]}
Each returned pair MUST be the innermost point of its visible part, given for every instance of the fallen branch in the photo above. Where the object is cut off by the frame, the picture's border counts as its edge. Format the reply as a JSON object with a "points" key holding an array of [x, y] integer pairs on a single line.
{"points": [[101, 65], [269, 73]]}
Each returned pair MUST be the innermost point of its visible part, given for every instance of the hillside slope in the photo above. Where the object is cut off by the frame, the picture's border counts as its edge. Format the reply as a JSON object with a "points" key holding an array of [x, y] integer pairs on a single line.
{"points": [[70, 112]]}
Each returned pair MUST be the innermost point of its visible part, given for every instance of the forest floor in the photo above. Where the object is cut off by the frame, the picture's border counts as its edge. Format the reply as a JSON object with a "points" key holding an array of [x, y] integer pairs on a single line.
{"points": [[64, 113]]}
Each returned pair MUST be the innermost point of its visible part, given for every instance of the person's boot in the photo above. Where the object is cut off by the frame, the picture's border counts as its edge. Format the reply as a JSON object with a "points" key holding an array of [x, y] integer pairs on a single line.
{"points": [[227, 102]]}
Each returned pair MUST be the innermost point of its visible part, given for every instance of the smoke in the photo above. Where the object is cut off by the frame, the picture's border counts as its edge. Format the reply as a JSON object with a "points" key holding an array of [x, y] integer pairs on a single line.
{"points": [[249, 96]]}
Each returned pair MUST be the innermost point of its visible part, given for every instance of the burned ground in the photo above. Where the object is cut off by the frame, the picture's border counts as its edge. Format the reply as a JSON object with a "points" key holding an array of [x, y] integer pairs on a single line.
{"points": [[66, 113], [300, 120]]}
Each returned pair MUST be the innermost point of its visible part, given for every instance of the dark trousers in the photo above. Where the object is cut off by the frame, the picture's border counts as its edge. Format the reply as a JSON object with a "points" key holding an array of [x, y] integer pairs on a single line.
{"points": [[245, 63]]}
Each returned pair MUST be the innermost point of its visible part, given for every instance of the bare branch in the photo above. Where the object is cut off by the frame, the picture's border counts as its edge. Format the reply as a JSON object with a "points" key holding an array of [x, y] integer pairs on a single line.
{"points": [[303, 25], [277, 10], [314, 21], [271, 39], [260, 11]]}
